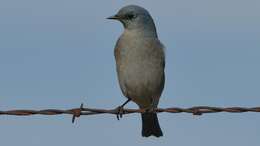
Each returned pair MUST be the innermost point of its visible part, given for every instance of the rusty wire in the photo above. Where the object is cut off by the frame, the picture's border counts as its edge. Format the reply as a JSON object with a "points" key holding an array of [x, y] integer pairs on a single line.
{"points": [[77, 112]]}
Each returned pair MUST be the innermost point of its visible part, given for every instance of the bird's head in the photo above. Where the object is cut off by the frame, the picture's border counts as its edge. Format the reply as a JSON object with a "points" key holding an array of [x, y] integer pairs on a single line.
{"points": [[135, 17]]}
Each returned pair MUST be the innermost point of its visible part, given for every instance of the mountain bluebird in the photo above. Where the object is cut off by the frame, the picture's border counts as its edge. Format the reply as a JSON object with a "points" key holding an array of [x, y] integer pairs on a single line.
{"points": [[140, 62]]}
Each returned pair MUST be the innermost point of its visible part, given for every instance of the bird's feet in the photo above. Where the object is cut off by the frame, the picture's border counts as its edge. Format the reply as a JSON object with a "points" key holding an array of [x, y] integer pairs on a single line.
{"points": [[119, 112], [150, 109]]}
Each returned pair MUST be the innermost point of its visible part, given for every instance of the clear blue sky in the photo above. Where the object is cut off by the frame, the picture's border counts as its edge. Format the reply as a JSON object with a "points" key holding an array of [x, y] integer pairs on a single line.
{"points": [[59, 53]]}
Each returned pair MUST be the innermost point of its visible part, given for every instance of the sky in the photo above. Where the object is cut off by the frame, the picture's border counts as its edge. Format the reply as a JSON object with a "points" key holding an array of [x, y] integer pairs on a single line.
{"points": [[59, 54]]}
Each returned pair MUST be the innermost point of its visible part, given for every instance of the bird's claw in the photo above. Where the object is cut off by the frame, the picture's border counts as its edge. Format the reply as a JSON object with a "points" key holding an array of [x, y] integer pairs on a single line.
{"points": [[120, 112], [150, 109]]}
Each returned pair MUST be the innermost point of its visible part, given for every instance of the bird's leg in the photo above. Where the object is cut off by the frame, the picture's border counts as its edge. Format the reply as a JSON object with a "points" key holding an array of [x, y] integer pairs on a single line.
{"points": [[120, 109], [150, 108]]}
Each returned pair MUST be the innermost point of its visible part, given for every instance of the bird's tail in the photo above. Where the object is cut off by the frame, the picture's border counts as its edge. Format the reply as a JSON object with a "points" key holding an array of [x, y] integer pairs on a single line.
{"points": [[151, 125]]}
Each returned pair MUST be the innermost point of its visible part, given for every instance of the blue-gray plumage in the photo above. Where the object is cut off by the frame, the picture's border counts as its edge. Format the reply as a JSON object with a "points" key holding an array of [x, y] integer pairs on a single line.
{"points": [[140, 62]]}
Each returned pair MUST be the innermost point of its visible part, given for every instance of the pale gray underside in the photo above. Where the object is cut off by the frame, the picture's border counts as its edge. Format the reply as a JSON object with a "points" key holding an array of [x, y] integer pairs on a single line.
{"points": [[140, 68]]}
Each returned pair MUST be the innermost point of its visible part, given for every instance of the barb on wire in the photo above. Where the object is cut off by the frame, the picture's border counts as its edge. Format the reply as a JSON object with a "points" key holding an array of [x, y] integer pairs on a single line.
{"points": [[77, 112]]}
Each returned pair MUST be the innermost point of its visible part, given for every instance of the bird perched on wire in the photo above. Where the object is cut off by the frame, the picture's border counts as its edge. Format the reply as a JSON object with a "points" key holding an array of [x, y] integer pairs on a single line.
{"points": [[140, 63]]}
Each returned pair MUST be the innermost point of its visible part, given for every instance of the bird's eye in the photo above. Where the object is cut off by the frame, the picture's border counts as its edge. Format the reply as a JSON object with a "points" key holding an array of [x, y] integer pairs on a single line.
{"points": [[130, 16]]}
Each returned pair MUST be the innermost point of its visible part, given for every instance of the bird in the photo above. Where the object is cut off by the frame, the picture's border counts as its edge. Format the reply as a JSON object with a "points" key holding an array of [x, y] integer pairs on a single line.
{"points": [[140, 63]]}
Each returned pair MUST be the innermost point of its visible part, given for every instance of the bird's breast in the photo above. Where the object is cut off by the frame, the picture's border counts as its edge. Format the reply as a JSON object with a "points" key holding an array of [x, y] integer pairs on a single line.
{"points": [[140, 71]]}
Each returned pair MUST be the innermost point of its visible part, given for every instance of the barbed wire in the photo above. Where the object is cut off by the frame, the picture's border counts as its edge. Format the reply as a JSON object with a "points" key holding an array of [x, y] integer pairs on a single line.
{"points": [[77, 112]]}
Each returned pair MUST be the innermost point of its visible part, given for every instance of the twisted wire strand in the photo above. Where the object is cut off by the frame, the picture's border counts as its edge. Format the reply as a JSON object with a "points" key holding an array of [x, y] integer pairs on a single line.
{"points": [[77, 112]]}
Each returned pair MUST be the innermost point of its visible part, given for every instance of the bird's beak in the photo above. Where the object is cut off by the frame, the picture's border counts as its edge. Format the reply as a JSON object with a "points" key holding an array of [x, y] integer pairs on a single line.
{"points": [[115, 17]]}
